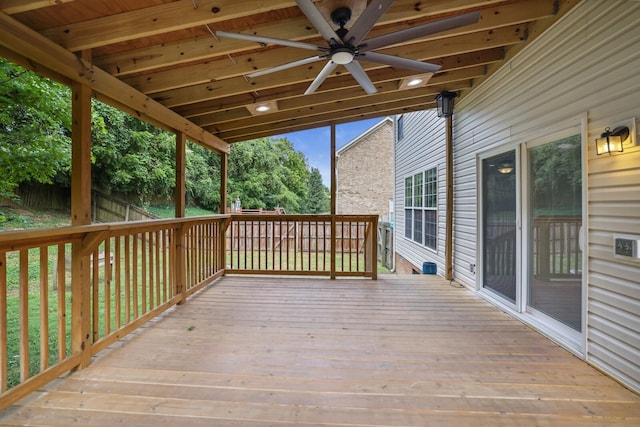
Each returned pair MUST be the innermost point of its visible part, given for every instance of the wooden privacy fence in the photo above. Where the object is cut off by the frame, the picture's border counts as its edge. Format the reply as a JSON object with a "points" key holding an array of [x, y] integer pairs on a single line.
{"points": [[53, 319]]}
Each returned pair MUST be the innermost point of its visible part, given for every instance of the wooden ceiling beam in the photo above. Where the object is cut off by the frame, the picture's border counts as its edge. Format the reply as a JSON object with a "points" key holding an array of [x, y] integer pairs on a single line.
{"points": [[241, 64], [33, 46], [316, 103], [340, 107], [207, 47], [154, 20], [223, 77], [452, 64], [285, 91], [419, 103], [345, 108], [336, 120], [11, 7]]}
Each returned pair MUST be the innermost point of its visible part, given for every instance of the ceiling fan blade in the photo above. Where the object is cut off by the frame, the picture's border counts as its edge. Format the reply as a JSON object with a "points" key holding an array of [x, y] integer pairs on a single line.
{"points": [[396, 61], [315, 17], [420, 31], [361, 77], [286, 66], [321, 77], [269, 40], [366, 21]]}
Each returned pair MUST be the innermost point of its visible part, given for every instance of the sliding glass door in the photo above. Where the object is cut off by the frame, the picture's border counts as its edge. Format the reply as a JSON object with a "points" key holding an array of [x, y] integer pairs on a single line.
{"points": [[499, 225], [531, 227], [555, 222]]}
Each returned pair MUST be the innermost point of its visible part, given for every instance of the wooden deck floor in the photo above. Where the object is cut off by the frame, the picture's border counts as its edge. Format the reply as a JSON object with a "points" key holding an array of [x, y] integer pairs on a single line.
{"points": [[402, 351]]}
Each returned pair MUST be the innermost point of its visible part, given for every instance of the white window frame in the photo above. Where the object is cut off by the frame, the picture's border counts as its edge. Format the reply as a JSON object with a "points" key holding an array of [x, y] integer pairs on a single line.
{"points": [[416, 205]]}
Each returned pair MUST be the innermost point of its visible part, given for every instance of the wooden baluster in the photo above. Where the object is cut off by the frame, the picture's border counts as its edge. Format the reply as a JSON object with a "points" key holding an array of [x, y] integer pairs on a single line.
{"points": [[44, 308], [107, 286], [118, 269], [24, 315], [62, 303]]}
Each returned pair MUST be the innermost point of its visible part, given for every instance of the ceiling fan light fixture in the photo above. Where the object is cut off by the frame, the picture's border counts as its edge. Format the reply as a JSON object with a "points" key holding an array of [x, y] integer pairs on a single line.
{"points": [[342, 56]]}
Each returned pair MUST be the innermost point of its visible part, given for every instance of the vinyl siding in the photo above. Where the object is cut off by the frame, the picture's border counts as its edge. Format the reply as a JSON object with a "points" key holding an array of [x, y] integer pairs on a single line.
{"points": [[581, 69], [421, 148]]}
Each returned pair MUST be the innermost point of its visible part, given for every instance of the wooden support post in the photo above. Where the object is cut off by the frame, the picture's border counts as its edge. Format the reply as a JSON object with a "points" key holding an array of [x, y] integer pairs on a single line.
{"points": [[181, 175], [180, 209], [371, 248], [333, 201], [224, 171], [448, 250], [80, 215]]}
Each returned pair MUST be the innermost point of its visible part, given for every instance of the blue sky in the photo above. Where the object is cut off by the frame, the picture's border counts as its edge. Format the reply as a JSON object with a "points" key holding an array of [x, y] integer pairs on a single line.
{"points": [[316, 143]]}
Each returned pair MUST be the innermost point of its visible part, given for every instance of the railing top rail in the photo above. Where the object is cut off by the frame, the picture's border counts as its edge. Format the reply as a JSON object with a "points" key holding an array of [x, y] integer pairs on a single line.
{"points": [[300, 217], [19, 239]]}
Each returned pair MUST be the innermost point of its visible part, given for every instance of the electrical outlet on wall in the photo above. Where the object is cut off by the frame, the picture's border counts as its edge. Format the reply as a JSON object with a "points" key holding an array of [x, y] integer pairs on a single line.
{"points": [[626, 246]]}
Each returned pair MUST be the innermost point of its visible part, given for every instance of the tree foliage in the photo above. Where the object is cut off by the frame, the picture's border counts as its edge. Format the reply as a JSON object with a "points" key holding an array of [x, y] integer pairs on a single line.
{"points": [[137, 160], [131, 156], [266, 173], [35, 129], [317, 194]]}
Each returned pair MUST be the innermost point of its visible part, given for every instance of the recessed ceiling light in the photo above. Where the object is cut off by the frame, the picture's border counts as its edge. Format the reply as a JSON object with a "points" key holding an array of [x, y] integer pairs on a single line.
{"points": [[263, 107], [419, 80]]}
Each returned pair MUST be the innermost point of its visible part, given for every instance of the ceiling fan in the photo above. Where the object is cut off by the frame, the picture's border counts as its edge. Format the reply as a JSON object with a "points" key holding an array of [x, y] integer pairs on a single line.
{"points": [[347, 46]]}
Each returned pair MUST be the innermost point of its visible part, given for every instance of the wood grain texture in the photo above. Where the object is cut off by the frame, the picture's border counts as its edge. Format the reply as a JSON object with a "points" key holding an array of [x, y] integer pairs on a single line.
{"points": [[400, 351]]}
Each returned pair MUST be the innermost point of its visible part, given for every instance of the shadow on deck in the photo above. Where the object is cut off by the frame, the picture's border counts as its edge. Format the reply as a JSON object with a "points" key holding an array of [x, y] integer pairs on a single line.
{"points": [[399, 351]]}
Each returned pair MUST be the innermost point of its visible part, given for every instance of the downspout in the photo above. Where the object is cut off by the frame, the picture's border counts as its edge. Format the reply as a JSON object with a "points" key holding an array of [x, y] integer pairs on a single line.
{"points": [[448, 252], [395, 207]]}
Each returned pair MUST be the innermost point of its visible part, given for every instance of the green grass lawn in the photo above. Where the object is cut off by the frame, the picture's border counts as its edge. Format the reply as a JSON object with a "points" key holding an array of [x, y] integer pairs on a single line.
{"points": [[169, 211], [17, 218]]}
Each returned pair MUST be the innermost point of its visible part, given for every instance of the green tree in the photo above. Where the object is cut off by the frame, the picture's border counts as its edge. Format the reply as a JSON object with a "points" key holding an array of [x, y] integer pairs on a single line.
{"points": [[131, 156], [35, 129], [203, 177], [317, 194], [266, 173]]}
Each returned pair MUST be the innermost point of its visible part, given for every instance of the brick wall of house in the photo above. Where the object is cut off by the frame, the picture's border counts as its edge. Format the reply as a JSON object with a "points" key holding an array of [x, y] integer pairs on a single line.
{"points": [[365, 172]]}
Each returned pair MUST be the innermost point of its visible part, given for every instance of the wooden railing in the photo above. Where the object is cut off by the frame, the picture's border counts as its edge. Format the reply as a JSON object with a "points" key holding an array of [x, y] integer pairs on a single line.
{"points": [[556, 246], [320, 245], [68, 293]]}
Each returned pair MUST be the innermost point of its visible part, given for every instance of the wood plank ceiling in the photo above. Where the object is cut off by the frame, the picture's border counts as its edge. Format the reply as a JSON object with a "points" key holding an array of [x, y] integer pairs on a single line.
{"points": [[167, 49]]}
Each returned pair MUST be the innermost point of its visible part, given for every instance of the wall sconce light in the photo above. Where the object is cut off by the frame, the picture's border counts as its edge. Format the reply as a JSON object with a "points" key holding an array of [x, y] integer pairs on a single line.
{"points": [[444, 101], [611, 141]]}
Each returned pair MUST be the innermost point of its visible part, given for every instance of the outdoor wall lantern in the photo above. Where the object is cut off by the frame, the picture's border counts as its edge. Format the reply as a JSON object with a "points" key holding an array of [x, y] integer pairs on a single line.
{"points": [[611, 141], [444, 101]]}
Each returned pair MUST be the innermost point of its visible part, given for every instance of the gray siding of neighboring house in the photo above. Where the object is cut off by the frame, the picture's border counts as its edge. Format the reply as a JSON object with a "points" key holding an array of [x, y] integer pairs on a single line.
{"points": [[421, 148], [581, 76]]}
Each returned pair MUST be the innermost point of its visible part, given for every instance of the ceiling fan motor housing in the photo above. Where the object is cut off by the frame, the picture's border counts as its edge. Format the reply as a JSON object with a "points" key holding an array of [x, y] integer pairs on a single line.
{"points": [[341, 16]]}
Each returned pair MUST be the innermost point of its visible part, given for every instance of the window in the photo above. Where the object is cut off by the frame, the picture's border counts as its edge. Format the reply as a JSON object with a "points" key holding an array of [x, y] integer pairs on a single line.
{"points": [[421, 208], [400, 127], [408, 202]]}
